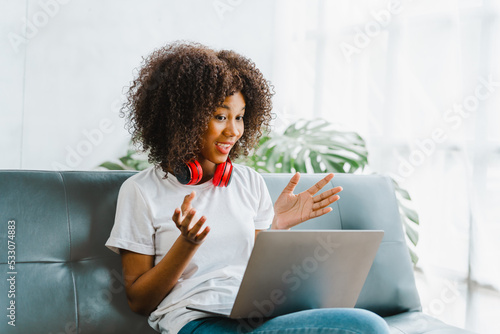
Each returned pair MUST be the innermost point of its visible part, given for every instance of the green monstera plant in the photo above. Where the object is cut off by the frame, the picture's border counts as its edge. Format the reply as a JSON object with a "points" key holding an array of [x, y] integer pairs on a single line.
{"points": [[130, 161], [308, 147]]}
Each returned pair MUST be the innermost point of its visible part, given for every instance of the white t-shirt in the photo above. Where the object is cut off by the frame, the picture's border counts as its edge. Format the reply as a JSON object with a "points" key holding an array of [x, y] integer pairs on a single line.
{"points": [[143, 224]]}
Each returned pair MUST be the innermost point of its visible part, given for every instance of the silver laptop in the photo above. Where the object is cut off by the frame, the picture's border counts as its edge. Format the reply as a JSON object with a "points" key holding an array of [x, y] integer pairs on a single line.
{"points": [[290, 271]]}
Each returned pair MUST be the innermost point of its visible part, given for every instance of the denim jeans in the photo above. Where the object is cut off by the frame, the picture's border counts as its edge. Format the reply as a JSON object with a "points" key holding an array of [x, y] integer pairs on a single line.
{"points": [[316, 321]]}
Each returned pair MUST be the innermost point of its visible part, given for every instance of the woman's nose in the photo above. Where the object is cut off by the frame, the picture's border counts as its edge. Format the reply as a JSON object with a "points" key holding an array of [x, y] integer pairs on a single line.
{"points": [[231, 129]]}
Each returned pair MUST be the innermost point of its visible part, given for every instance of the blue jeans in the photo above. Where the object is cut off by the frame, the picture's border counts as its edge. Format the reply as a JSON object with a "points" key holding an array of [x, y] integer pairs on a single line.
{"points": [[316, 321]]}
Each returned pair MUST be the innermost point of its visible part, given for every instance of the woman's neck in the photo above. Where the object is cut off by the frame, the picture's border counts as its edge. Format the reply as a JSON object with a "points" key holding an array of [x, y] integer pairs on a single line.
{"points": [[208, 168]]}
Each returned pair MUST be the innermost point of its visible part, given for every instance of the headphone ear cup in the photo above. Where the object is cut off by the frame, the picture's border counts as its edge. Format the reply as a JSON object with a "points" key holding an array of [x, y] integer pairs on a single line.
{"points": [[223, 173], [189, 173]]}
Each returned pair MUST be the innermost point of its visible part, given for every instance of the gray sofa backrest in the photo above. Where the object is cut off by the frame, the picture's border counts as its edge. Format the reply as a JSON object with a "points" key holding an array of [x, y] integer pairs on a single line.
{"points": [[67, 281]]}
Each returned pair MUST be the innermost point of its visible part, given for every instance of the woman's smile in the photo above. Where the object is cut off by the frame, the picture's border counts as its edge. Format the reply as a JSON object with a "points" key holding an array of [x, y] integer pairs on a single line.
{"points": [[224, 148]]}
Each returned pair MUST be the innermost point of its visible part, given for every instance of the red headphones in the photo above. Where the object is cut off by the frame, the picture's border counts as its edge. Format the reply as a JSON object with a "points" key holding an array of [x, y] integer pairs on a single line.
{"points": [[191, 173]]}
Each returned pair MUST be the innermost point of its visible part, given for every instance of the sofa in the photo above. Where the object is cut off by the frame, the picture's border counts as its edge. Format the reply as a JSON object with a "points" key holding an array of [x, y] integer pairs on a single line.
{"points": [[58, 277]]}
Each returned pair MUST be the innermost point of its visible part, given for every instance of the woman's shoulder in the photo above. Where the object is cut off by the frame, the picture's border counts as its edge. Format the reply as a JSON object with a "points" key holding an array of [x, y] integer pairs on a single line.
{"points": [[146, 178], [247, 174], [245, 170]]}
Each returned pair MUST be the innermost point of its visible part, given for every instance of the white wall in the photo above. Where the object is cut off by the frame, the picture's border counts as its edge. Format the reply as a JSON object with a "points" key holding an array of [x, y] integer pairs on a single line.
{"points": [[64, 65]]}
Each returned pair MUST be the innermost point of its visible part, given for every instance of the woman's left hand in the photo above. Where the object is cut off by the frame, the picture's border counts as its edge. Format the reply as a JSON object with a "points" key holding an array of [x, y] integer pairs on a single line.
{"points": [[291, 209]]}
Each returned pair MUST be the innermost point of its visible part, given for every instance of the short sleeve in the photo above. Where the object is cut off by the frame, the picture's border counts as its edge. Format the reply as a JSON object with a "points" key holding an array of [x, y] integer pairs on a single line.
{"points": [[133, 229], [265, 213]]}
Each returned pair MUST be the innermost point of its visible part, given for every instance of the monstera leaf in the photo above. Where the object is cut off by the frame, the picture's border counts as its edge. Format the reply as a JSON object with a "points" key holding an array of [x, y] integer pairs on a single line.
{"points": [[310, 147], [410, 220]]}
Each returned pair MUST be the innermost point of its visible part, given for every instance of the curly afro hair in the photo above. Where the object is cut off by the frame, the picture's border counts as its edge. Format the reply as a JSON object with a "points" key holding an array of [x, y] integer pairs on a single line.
{"points": [[176, 92]]}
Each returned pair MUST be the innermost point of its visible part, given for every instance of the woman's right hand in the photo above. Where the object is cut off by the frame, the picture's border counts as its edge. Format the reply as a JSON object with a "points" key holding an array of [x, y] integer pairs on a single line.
{"points": [[147, 284], [186, 221]]}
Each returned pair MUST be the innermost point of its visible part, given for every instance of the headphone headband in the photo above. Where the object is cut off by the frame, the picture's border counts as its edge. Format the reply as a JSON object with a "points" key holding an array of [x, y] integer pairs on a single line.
{"points": [[191, 173]]}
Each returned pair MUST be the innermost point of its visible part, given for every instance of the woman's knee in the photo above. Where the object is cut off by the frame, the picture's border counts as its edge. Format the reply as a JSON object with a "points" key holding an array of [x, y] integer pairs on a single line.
{"points": [[369, 321], [349, 319]]}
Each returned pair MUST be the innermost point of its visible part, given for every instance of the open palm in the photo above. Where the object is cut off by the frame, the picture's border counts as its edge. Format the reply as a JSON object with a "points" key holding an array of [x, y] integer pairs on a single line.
{"points": [[292, 209]]}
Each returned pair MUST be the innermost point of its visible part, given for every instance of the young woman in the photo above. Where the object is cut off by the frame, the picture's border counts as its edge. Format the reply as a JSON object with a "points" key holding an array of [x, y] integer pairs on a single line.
{"points": [[185, 227]]}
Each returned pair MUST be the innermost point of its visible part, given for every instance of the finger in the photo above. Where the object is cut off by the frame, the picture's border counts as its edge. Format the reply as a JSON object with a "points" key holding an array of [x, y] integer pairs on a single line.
{"points": [[326, 194], [186, 204], [193, 231], [320, 184], [325, 202], [321, 212], [292, 184], [187, 221], [176, 217], [200, 237]]}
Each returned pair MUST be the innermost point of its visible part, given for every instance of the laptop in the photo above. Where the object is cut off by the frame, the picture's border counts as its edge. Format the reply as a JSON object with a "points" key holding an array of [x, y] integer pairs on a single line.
{"points": [[290, 271]]}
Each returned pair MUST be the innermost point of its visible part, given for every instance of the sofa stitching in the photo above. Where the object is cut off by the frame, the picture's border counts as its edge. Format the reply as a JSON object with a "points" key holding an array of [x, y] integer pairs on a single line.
{"points": [[70, 262], [396, 328], [338, 207]]}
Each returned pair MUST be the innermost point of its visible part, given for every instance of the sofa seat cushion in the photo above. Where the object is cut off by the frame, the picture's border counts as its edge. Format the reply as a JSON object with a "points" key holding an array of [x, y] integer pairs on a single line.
{"points": [[420, 323]]}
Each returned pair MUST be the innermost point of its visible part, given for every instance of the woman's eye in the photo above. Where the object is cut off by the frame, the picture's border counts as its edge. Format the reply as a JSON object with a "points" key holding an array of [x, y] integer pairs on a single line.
{"points": [[220, 117], [239, 118]]}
